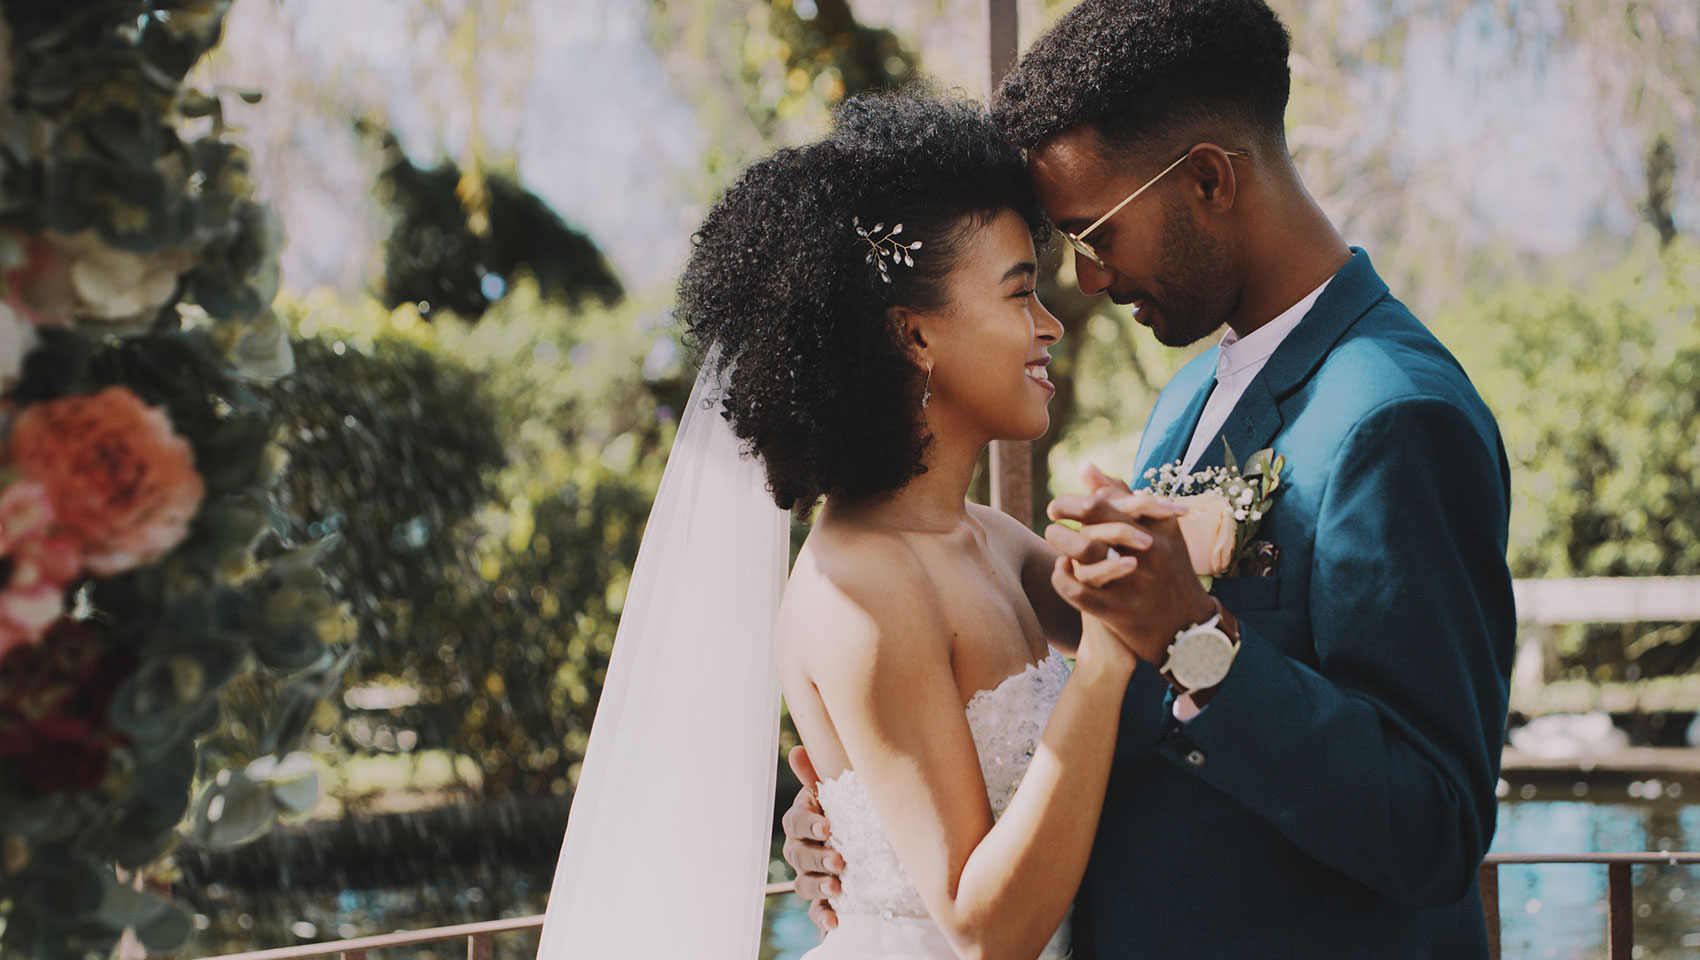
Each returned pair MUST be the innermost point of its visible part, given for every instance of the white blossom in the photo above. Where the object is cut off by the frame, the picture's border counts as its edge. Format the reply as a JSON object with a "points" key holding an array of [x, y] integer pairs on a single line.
{"points": [[17, 338]]}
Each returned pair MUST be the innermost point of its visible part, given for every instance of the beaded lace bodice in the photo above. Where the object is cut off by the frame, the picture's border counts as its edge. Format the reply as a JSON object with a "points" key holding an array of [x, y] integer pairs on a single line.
{"points": [[1007, 722]]}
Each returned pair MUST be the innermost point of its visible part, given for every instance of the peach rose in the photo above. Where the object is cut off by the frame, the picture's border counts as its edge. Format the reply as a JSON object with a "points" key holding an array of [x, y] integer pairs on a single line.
{"points": [[1210, 531], [38, 281], [123, 483], [35, 565]]}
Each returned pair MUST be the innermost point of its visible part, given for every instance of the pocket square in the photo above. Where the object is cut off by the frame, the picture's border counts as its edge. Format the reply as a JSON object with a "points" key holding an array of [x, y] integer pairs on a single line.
{"points": [[1261, 556]]}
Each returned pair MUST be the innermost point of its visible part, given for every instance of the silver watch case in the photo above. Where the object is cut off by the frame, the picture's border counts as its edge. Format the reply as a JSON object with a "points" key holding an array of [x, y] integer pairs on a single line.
{"points": [[1200, 656]]}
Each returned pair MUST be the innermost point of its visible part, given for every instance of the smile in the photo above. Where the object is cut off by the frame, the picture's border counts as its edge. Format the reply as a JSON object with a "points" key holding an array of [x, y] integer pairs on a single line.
{"points": [[1141, 311], [1037, 373]]}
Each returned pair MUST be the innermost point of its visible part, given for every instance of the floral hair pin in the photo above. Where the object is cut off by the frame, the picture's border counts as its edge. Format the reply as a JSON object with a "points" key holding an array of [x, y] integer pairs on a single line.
{"points": [[885, 245]]}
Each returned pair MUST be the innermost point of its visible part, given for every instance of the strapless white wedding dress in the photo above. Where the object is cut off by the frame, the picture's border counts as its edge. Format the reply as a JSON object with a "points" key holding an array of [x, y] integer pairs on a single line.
{"points": [[880, 914]]}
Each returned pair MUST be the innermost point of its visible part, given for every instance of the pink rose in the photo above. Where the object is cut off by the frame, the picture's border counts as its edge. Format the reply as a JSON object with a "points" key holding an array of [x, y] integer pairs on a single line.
{"points": [[39, 288], [1210, 531], [123, 483], [35, 565]]}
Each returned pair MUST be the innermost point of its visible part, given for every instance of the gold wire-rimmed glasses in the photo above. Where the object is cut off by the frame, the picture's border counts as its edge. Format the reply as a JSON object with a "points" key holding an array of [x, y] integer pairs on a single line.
{"points": [[1078, 240]]}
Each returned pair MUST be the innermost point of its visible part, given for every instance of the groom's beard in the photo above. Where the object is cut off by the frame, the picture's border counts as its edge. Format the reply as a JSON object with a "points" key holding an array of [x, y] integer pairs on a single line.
{"points": [[1195, 280]]}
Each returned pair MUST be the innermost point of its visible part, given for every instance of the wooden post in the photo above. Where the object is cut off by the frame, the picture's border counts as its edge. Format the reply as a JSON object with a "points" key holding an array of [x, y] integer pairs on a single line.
{"points": [[1489, 875], [1001, 42], [1012, 466], [480, 946], [1620, 912]]}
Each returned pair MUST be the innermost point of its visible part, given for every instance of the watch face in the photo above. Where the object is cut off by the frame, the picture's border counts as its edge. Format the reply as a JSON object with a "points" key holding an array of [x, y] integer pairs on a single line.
{"points": [[1200, 660]]}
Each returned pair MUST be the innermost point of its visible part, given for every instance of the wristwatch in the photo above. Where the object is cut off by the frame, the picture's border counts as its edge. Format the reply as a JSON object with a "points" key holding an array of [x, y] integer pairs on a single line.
{"points": [[1200, 656]]}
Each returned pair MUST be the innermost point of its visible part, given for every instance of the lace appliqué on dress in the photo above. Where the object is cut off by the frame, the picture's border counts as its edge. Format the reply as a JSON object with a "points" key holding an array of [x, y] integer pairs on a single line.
{"points": [[1007, 722]]}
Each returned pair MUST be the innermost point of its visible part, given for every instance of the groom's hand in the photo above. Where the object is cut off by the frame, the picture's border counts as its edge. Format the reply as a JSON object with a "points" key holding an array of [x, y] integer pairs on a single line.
{"points": [[1104, 549], [1147, 594], [806, 829]]}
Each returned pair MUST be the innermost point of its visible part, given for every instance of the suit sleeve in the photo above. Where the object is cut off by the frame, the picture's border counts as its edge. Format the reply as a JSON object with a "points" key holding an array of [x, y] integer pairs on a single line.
{"points": [[1381, 760]]}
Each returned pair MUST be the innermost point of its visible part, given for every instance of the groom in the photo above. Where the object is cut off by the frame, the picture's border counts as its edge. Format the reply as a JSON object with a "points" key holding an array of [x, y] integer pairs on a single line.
{"points": [[1332, 793]]}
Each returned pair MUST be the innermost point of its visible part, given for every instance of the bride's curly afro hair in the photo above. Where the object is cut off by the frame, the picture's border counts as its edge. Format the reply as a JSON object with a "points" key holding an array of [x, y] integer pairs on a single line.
{"points": [[780, 287]]}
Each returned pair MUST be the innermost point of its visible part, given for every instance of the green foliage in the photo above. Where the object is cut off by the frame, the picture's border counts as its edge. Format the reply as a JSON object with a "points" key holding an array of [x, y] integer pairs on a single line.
{"points": [[491, 491], [799, 63], [460, 237], [1597, 390], [762, 73]]}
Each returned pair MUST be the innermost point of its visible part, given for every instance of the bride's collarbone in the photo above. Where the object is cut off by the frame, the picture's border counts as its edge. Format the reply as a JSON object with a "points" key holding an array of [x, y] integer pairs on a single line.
{"points": [[960, 581]]}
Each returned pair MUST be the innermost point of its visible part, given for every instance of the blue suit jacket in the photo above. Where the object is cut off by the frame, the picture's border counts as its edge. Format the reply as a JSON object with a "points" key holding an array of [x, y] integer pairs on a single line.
{"points": [[1336, 796]]}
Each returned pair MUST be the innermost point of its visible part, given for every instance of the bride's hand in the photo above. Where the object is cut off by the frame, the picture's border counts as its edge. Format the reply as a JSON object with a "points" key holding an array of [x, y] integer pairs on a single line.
{"points": [[1095, 560], [1101, 645], [806, 829]]}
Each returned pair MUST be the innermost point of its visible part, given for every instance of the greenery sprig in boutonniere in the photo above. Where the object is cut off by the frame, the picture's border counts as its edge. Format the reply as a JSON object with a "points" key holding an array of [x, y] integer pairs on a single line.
{"points": [[1225, 505]]}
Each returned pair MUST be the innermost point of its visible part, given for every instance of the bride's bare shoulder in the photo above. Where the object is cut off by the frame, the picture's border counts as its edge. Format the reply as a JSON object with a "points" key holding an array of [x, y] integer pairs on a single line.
{"points": [[852, 593]]}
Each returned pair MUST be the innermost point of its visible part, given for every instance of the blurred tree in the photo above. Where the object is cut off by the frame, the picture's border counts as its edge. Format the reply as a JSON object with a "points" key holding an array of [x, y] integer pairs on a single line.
{"points": [[770, 72], [1597, 387], [490, 485], [459, 240], [1644, 59]]}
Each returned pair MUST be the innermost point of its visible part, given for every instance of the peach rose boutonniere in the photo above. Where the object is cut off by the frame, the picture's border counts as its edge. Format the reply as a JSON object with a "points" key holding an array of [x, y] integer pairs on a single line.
{"points": [[122, 482], [1225, 507], [1210, 530]]}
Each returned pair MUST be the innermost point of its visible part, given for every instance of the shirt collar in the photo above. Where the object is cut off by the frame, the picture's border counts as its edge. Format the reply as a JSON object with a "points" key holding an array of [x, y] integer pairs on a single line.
{"points": [[1236, 353]]}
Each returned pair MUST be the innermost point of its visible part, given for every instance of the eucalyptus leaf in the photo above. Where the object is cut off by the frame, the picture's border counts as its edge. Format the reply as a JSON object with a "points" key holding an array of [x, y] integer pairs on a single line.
{"points": [[64, 885], [39, 818], [294, 780], [146, 704], [261, 349], [233, 809], [193, 104], [124, 906], [1260, 464], [167, 931]]}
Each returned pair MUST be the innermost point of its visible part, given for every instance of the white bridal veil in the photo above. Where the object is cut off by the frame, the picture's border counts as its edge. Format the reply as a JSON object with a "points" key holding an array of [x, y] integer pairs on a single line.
{"points": [[667, 844]]}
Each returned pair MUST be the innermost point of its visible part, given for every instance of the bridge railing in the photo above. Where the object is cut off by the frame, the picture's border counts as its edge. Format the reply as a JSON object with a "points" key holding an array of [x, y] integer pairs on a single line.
{"points": [[1620, 912]]}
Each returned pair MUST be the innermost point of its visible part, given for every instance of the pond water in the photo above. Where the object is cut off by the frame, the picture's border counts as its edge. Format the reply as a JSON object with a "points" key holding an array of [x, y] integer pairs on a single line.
{"points": [[1552, 912]]}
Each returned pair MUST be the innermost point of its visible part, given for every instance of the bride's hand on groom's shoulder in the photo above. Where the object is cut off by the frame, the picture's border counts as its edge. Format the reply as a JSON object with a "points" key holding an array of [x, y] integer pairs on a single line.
{"points": [[806, 830], [1127, 565]]}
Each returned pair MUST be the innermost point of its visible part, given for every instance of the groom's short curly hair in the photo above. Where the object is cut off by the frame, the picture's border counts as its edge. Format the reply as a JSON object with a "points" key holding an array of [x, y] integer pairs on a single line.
{"points": [[1137, 70], [821, 383]]}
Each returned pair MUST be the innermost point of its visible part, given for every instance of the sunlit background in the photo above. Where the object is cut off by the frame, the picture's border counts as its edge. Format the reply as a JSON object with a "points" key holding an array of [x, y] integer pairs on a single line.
{"points": [[486, 205]]}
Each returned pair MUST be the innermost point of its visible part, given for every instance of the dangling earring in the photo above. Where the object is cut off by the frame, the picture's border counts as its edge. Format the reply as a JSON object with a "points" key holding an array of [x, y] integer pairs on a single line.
{"points": [[927, 389]]}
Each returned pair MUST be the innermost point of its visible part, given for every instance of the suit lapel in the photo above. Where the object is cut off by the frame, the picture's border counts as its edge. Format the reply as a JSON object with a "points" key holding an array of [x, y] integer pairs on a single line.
{"points": [[1253, 423], [1256, 418], [1172, 446]]}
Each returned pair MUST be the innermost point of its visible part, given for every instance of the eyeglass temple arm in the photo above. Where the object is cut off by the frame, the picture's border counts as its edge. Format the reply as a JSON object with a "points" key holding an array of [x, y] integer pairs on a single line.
{"points": [[1135, 194]]}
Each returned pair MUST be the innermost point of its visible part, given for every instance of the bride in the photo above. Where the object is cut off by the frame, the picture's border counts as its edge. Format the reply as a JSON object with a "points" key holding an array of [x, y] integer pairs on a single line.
{"points": [[866, 307]]}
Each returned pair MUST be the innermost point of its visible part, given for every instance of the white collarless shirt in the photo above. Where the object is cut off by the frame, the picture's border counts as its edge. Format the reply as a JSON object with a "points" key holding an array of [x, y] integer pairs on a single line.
{"points": [[1238, 361]]}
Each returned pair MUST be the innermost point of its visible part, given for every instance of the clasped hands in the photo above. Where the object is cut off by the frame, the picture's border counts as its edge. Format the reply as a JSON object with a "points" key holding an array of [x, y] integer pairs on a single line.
{"points": [[1127, 569]]}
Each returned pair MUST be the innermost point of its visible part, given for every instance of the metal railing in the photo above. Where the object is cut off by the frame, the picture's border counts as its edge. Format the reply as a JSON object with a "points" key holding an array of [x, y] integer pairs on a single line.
{"points": [[1620, 891], [480, 938], [1620, 912]]}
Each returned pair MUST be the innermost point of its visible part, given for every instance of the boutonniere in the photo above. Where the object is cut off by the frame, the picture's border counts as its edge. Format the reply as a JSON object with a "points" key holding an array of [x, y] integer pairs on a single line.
{"points": [[1225, 506]]}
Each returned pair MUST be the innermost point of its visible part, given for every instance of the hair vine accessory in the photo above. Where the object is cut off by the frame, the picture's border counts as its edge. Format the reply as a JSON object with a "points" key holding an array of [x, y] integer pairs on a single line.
{"points": [[885, 245]]}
